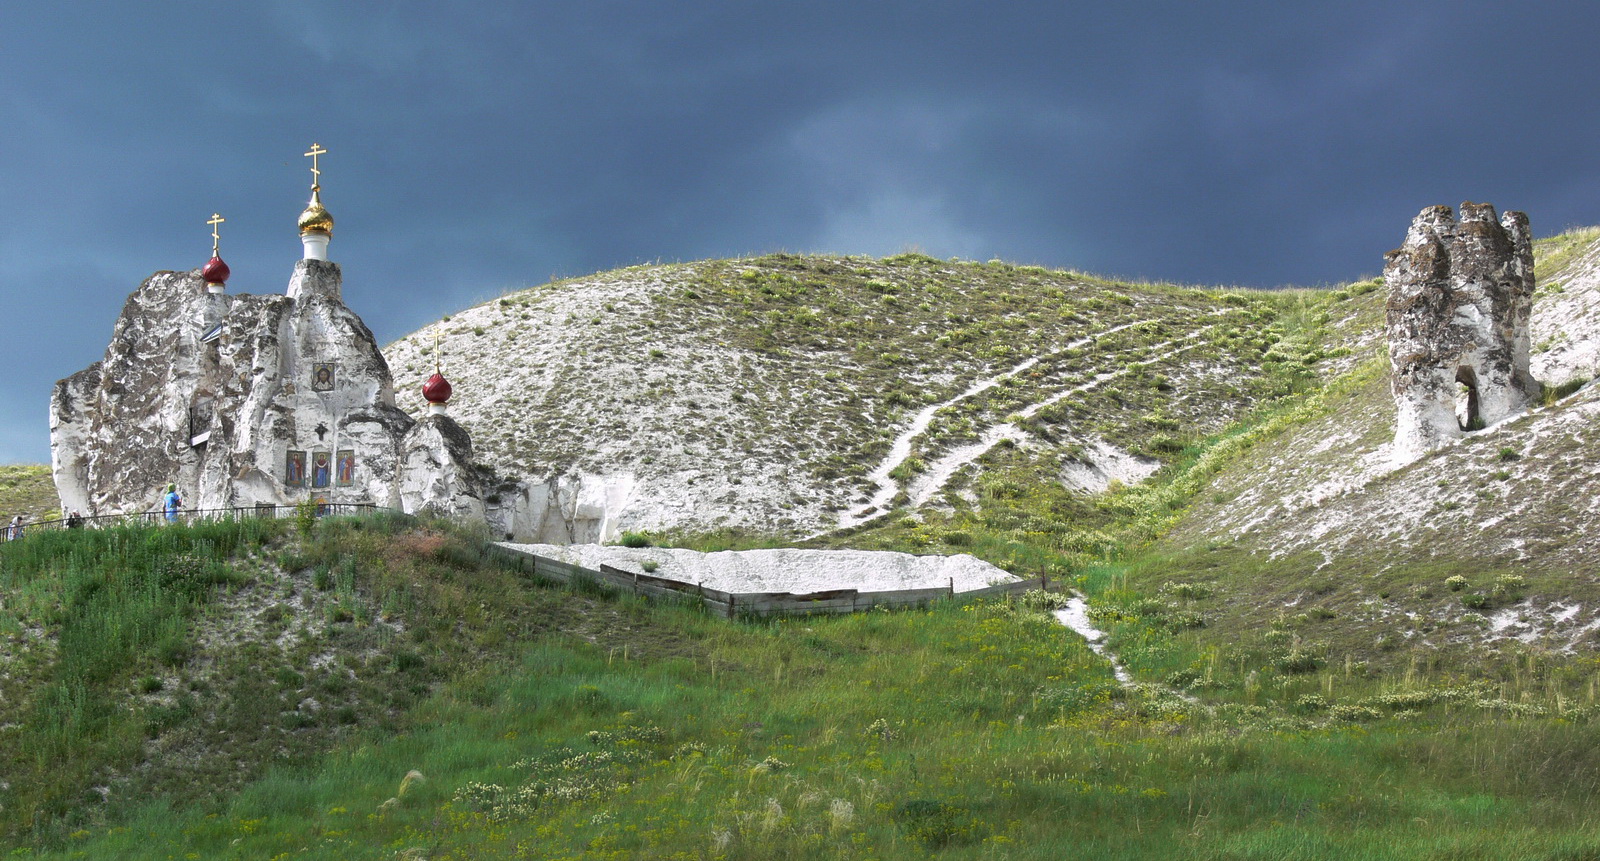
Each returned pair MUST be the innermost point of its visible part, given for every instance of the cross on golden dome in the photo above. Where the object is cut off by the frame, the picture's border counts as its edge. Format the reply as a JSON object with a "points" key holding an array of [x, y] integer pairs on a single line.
{"points": [[316, 175], [315, 220]]}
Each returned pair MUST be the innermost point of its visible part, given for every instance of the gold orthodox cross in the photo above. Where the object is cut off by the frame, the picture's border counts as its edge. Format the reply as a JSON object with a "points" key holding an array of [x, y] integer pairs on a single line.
{"points": [[438, 361], [316, 175], [215, 220]]}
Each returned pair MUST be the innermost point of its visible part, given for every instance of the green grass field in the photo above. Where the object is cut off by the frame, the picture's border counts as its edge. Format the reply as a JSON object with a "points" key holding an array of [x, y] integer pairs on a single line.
{"points": [[513, 718]]}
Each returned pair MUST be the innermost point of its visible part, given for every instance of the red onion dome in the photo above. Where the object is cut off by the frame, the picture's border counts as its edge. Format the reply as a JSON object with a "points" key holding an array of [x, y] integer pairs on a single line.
{"points": [[215, 271], [436, 389]]}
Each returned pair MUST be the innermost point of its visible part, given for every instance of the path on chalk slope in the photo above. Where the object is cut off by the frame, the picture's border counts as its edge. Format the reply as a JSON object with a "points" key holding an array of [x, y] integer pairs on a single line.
{"points": [[888, 487], [930, 482]]}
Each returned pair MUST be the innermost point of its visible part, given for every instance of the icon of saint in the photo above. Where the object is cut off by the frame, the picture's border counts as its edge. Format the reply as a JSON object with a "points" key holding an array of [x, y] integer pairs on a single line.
{"points": [[321, 468]]}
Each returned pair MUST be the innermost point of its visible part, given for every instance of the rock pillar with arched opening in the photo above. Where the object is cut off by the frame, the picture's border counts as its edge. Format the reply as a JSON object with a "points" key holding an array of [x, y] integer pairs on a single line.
{"points": [[1460, 295]]}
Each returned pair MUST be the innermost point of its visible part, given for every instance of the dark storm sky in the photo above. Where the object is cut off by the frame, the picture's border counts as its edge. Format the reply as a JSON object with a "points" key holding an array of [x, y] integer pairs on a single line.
{"points": [[475, 148]]}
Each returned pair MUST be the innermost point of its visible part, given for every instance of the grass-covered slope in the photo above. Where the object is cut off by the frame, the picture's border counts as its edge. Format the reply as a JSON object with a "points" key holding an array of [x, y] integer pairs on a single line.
{"points": [[180, 663], [794, 394], [472, 714], [1484, 545]]}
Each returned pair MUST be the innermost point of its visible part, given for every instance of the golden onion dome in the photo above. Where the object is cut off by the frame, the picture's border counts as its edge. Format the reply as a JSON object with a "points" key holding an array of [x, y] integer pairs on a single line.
{"points": [[315, 218]]}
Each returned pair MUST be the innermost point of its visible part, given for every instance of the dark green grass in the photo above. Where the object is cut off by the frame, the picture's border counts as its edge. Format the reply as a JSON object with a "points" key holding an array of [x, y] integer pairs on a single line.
{"points": [[966, 732], [565, 724], [115, 599]]}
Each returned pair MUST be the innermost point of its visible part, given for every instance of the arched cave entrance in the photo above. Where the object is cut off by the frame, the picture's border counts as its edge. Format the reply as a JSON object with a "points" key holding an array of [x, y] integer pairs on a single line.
{"points": [[1467, 413]]}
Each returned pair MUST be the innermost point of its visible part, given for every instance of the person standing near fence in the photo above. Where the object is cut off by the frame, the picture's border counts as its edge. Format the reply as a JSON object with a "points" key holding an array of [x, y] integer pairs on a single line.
{"points": [[171, 503], [14, 528], [74, 520]]}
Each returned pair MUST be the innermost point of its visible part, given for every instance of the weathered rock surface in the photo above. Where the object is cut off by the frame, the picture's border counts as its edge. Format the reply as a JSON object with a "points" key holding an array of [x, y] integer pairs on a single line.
{"points": [[243, 400], [436, 473], [1460, 297]]}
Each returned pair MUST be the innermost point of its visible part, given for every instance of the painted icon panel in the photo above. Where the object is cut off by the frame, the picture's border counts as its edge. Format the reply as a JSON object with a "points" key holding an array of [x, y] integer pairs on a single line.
{"points": [[347, 467], [294, 471], [321, 468], [322, 376]]}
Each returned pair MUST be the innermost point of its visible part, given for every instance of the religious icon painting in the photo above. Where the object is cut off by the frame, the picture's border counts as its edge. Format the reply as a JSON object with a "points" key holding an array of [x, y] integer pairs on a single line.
{"points": [[322, 376], [294, 473], [347, 467], [321, 468]]}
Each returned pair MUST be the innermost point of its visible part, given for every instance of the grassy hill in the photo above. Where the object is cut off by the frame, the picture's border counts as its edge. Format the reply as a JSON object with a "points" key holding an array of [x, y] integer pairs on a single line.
{"points": [[769, 394], [1481, 551], [28, 490], [1309, 679]]}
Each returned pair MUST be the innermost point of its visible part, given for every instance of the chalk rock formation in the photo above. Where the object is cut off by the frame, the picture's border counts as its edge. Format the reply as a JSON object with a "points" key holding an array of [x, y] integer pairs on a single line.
{"points": [[566, 509], [243, 400], [1460, 295], [436, 473]]}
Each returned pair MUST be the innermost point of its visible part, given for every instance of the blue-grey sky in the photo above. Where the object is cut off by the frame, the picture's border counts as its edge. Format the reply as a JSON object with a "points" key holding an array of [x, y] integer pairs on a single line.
{"points": [[480, 147]]}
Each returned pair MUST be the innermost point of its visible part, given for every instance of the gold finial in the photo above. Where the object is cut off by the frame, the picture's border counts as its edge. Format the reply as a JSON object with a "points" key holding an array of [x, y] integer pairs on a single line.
{"points": [[438, 366], [316, 175], [215, 237]]}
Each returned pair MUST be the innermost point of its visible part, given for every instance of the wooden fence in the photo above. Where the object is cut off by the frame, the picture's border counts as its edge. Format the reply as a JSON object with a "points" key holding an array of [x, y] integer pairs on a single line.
{"points": [[732, 604]]}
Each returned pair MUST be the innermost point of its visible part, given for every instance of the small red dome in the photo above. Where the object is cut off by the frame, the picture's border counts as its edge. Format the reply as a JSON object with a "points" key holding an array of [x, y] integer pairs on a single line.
{"points": [[436, 389], [215, 271]]}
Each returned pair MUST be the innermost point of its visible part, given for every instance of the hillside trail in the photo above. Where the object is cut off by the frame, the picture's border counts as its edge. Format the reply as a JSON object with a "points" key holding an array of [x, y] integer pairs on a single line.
{"points": [[1076, 616], [938, 474], [888, 487]]}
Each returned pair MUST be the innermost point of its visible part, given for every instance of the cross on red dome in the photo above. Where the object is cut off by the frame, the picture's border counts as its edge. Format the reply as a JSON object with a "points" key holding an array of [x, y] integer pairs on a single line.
{"points": [[215, 271], [437, 389]]}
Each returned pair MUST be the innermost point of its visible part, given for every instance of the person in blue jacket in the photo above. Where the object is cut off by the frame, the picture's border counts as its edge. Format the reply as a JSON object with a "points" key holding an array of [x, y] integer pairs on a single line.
{"points": [[171, 503]]}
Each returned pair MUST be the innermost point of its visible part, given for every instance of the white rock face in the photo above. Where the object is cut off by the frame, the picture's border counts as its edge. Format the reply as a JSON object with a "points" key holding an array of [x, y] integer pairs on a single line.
{"points": [[569, 509], [243, 400], [435, 472], [1460, 297]]}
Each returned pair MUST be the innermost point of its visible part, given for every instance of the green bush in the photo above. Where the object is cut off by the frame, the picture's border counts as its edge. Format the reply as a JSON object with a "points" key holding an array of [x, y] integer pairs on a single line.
{"points": [[305, 517], [958, 538], [1508, 588], [934, 824], [635, 540], [1298, 660], [1039, 599]]}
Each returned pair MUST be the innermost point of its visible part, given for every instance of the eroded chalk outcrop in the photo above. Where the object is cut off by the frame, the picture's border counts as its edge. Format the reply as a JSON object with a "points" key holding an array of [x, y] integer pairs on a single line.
{"points": [[1460, 295], [242, 400]]}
